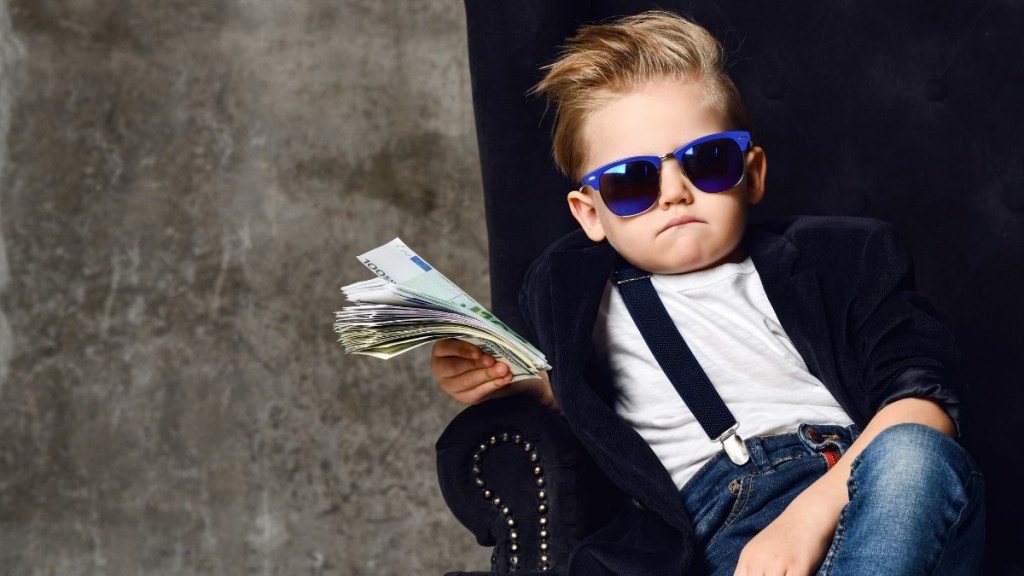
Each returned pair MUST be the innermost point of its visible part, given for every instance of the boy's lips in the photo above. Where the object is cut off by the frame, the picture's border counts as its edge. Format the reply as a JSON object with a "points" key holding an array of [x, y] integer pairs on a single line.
{"points": [[680, 221]]}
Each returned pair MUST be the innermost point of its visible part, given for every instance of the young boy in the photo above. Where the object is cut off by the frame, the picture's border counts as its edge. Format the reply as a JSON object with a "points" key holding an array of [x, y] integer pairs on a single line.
{"points": [[809, 330]]}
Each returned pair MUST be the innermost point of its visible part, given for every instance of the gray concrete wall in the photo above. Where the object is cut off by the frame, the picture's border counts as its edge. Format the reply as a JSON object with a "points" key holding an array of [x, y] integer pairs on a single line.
{"points": [[183, 188]]}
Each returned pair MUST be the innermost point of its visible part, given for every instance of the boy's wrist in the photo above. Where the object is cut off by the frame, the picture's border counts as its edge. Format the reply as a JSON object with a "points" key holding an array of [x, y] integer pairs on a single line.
{"points": [[824, 499], [540, 389]]}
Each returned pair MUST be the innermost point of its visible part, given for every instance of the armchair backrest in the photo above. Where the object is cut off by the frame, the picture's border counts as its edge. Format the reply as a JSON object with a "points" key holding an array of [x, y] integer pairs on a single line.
{"points": [[908, 111]]}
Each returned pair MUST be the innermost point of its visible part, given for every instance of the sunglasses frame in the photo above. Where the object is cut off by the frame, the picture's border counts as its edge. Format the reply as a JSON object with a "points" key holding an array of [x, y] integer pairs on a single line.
{"points": [[740, 137]]}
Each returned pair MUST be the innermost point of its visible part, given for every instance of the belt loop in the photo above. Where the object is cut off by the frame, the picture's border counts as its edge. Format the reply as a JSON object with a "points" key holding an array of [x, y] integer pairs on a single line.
{"points": [[825, 445]]}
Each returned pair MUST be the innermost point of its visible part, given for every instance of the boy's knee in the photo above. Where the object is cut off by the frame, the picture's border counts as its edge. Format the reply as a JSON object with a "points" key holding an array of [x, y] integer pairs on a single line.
{"points": [[912, 442], [907, 458]]}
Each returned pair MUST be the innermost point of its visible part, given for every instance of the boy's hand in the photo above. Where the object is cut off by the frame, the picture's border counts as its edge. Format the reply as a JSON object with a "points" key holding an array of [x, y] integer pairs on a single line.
{"points": [[466, 373], [794, 544], [470, 376]]}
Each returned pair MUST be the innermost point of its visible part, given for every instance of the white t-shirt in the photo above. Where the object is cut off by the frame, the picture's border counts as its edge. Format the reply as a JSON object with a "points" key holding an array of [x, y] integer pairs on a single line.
{"points": [[724, 315]]}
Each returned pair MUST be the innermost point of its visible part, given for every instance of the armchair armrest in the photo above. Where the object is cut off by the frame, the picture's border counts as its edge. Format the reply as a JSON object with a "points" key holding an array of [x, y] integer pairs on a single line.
{"points": [[513, 473]]}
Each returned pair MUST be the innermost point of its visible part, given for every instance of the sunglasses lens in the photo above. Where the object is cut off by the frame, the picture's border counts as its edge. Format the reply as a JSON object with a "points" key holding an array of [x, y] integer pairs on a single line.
{"points": [[715, 165], [630, 188]]}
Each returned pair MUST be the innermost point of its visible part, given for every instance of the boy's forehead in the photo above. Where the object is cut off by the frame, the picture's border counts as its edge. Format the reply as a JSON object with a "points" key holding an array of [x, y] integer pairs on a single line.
{"points": [[652, 120]]}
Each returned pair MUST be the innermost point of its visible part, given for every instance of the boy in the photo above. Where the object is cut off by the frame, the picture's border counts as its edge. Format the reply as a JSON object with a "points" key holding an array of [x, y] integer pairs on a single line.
{"points": [[809, 331]]}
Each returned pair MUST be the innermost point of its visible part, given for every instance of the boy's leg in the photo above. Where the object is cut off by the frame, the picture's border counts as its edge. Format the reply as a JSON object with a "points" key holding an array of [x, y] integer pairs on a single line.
{"points": [[916, 507]]}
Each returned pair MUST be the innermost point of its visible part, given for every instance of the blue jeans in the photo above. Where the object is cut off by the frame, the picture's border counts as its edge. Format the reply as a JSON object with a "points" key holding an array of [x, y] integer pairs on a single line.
{"points": [[916, 501]]}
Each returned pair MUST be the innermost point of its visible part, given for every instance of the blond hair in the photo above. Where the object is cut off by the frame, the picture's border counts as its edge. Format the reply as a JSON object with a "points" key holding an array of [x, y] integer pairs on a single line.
{"points": [[604, 61]]}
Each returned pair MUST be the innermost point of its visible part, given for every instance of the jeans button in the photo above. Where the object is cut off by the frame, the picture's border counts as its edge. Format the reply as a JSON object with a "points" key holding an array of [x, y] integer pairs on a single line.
{"points": [[734, 487], [813, 435]]}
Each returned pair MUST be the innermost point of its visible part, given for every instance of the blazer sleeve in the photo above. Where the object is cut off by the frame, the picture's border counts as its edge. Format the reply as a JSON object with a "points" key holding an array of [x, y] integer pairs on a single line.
{"points": [[900, 346], [534, 308]]}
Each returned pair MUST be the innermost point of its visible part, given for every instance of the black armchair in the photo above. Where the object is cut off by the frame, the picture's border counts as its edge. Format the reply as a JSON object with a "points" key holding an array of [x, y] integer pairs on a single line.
{"points": [[908, 111]]}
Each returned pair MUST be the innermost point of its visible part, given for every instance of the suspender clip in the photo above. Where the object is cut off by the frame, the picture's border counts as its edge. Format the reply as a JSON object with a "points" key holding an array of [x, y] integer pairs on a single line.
{"points": [[733, 446]]}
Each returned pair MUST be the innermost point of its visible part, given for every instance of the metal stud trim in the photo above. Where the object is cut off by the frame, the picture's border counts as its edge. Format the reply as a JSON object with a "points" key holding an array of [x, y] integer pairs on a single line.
{"points": [[543, 506]]}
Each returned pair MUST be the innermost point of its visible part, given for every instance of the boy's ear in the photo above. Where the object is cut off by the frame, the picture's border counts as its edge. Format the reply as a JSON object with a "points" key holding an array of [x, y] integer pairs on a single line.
{"points": [[757, 168], [583, 208]]}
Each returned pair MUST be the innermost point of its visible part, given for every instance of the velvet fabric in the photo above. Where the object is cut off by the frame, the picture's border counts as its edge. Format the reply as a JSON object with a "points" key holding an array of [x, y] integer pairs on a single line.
{"points": [[907, 111]]}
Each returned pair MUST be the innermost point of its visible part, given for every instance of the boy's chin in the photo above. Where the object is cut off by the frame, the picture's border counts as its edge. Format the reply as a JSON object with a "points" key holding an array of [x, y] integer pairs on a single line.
{"points": [[684, 265]]}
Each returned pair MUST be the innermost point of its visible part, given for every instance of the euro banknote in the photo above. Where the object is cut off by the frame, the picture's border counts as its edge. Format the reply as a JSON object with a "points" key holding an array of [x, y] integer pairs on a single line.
{"points": [[409, 303]]}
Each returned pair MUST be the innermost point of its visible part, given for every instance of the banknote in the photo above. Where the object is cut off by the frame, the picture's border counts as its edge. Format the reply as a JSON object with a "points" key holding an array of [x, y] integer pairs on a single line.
{"points": [[409, 303]]}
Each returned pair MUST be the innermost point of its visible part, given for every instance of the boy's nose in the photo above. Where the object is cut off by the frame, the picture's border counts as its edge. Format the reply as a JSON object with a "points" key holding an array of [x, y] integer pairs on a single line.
{"points": [[675, 186]]}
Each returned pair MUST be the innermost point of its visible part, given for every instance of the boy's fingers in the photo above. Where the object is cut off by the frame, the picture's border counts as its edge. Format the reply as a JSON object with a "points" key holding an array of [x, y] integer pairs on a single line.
{"points": [[447, 350], [460, 383], [494, 369], [453, 347], [469, 379], [452, 366], [489, 389]]}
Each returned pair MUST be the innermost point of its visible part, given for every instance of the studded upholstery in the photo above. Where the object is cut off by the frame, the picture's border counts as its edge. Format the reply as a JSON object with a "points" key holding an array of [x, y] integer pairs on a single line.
{"points": [[516, 477], [909, 111]]}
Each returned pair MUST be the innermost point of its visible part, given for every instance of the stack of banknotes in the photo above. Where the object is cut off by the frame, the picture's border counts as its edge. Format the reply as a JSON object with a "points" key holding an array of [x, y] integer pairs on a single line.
{"points": [[410, 303]]}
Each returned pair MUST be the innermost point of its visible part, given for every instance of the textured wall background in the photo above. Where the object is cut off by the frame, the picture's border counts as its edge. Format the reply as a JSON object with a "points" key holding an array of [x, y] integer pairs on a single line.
{"points": [[183, 188]]}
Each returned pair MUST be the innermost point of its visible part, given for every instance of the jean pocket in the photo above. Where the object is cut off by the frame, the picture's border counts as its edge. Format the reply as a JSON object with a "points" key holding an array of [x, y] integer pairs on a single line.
{"points": [[729, 505]]}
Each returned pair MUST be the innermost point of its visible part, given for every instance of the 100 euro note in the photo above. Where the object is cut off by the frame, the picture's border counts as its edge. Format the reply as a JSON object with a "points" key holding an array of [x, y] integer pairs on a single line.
{"points": [[410, 303]]}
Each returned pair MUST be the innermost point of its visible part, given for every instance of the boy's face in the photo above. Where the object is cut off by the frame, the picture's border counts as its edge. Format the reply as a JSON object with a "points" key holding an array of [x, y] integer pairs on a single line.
{"points": [[687, 229]]}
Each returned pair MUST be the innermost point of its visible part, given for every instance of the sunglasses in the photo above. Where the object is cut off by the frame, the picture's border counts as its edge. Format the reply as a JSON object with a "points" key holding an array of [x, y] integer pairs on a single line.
{"points": [[631, 186]]}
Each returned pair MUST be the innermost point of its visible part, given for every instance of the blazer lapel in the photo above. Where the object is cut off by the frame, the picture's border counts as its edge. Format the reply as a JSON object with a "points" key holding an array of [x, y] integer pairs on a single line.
{"points": [[578, 280], [795, 296]]}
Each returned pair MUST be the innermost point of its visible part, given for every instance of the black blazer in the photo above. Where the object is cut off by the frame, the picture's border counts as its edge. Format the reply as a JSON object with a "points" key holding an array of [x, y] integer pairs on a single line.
{"points": [[843, 290]]}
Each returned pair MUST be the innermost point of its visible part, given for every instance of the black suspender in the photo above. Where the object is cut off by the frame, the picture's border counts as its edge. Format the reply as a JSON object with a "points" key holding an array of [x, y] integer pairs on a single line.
{"points": [[677, 361]]}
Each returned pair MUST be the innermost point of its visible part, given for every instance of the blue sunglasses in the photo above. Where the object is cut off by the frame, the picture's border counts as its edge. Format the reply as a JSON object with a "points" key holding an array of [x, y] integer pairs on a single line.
{"points": [[631, 186]]}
